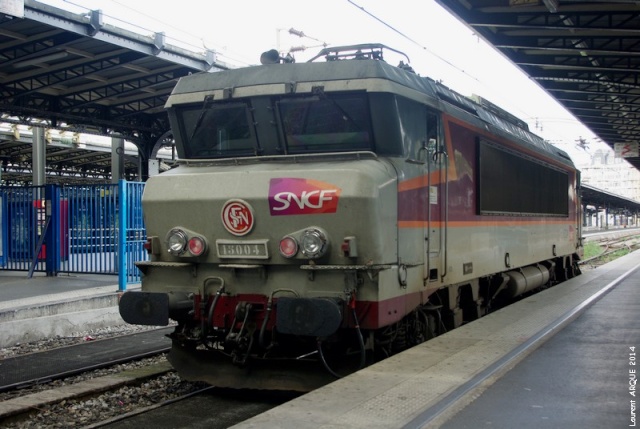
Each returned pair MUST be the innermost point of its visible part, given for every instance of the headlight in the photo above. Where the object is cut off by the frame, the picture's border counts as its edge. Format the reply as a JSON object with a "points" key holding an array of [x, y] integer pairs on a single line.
{"points": [[176, 242], [314, 243]]}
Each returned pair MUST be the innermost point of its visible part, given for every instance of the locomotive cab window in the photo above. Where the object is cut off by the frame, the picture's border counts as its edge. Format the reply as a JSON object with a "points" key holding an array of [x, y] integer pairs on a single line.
{"points": [[326, 123], [217, 131]]}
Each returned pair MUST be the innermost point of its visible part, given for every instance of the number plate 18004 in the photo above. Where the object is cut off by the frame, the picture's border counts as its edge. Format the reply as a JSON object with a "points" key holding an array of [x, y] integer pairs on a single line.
{"points": [[245, 249]]}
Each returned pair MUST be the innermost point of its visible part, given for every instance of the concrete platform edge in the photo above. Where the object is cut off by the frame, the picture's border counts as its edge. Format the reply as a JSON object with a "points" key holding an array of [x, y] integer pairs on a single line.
{"points": [[392, 393], [61, 314]]}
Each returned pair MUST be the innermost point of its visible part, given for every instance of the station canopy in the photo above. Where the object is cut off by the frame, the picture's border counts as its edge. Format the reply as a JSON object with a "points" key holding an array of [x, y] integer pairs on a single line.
{"points": [[585, 54], [75, 74]]}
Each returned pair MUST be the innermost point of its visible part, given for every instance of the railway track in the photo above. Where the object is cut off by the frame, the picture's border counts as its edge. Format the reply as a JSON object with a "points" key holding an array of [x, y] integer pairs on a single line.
{"points": [[149, 396], [111, 383], [44, 366], [611, 248], [71, 403], [40, 380], [224, 408]]}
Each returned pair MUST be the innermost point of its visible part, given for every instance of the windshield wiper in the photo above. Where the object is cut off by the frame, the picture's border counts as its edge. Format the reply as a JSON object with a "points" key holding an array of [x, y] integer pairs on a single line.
{"points": [[319, 92], [206, 105]]}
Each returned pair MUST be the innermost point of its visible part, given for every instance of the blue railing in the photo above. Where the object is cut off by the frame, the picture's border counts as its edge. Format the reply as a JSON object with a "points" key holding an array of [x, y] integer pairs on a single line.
{"points": [[133, 235], [90, 216], [97, 229], [24, 219]]}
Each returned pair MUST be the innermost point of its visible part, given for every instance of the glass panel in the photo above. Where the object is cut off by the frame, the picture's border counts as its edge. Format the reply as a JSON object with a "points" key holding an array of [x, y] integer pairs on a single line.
{"points": [[323, 124], [218, 131], [511, 184]]}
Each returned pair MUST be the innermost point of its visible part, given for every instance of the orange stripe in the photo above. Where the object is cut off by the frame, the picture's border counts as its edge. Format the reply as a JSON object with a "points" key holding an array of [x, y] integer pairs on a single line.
{"points": [[469, 224], [420, 181]]}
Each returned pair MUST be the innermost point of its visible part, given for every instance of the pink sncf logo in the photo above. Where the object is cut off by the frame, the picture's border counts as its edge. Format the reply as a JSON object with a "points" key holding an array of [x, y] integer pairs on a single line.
{"points": [[291, 196]]}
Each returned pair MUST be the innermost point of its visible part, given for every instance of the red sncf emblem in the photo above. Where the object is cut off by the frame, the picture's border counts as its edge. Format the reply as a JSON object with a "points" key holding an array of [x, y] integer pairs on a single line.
{"points": [[237, 217]]}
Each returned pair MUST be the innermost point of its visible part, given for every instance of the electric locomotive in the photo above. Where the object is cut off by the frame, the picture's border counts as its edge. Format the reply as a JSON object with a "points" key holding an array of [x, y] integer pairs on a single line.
{"points": [[326, 214]]}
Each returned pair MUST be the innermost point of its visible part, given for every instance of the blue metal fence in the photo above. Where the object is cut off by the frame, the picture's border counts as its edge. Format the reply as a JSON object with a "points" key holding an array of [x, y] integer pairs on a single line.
{"points": [[97, 229], [90, 217], [23, 225], [132, 240]]}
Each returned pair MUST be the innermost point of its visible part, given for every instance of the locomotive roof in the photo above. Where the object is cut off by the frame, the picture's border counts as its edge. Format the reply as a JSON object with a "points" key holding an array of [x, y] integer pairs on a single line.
{"points": [[288, 76], [303, 72]]}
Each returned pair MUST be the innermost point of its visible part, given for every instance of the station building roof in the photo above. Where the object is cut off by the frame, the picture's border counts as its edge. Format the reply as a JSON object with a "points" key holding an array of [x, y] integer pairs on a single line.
{"points": [[601, 199]]}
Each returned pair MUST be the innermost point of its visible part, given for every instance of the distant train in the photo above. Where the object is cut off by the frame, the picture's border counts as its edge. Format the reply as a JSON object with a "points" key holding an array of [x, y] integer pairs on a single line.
{"points": [[327, 214]]}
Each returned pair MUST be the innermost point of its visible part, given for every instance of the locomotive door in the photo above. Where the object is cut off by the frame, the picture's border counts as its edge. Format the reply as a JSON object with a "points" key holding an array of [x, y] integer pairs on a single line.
{"points": [[435, 201]]}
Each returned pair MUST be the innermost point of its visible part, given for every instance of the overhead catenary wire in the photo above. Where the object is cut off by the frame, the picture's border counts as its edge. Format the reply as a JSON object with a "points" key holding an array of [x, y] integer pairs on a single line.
{"points": [[421, 46], [444, 60]]}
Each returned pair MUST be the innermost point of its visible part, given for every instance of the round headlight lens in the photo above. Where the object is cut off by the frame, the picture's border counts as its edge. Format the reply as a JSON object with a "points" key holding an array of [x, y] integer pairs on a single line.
{"points": [[313, 243], [176, 242]]}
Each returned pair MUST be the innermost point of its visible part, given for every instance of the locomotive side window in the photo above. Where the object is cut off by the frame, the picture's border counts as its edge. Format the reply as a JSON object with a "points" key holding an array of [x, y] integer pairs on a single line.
{"points": [[328, 123], [418, 127], [512, 184], [413, 128], [433, 143], [217, 131]]}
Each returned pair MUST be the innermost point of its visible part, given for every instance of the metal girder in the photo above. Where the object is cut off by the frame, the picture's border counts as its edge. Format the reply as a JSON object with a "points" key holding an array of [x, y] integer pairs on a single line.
{"points": [[586, 54], [74, 72], [65, 163]]}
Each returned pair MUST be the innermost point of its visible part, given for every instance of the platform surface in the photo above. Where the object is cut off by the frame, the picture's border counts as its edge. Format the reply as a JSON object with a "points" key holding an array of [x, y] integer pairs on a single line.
{"points": [[551, 360], [577, 379], [16, 285]]}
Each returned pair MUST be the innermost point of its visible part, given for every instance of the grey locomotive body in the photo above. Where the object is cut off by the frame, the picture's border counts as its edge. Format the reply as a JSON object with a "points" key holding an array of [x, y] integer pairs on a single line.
{"points": [[323, 213]]}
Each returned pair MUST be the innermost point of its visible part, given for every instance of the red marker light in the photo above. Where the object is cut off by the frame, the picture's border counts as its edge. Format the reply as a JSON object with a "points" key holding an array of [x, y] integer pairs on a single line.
{"points": [[288, 247], [197, 246]]}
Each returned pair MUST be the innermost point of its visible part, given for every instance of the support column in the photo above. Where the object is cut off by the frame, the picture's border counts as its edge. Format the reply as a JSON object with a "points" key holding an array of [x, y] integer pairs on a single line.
{"points": [[52, 234], [117, 159], [140, 166], [39, 157], [123, 204]]}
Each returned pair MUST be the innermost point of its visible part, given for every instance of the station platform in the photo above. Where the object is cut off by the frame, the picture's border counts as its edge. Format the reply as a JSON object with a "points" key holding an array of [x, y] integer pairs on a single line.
{"points": [[41, 307], [579, 378], [558, 359]]}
